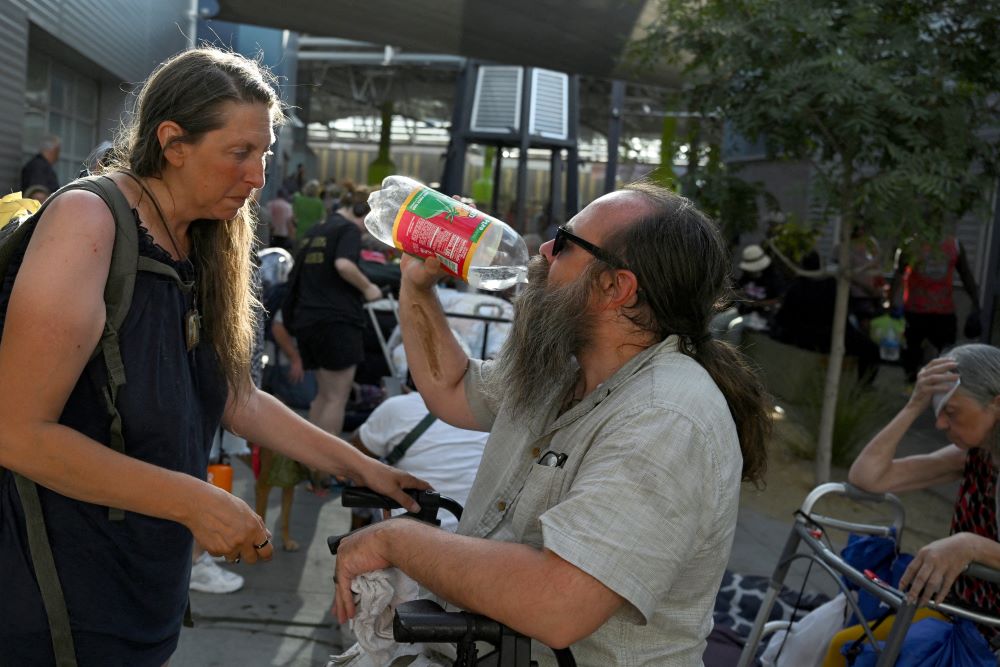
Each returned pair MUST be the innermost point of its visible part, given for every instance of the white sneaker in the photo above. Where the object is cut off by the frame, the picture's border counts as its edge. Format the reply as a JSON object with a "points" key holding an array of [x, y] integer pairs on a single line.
{"points": [[207, 577]]}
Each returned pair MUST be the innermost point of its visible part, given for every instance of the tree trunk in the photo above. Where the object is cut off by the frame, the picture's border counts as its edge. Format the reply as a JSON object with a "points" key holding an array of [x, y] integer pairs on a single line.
{"points": [[831, 389]]}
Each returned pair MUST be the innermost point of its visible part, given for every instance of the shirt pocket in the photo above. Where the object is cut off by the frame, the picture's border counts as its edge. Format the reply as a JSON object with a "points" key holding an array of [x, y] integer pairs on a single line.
{"points": [[541, 490]]}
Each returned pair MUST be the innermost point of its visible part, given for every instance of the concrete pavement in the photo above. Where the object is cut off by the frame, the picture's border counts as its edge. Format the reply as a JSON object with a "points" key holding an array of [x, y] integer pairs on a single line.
{"points": [[282, 614]]}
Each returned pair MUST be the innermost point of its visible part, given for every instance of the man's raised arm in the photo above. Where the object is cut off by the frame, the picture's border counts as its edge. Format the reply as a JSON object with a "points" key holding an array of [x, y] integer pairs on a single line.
{"points": [[435, 359]]}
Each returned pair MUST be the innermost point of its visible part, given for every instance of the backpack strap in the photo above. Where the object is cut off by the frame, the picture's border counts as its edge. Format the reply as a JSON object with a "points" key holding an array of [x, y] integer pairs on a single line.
{"points": [[45, 573], [400, 450], [117, 298]]}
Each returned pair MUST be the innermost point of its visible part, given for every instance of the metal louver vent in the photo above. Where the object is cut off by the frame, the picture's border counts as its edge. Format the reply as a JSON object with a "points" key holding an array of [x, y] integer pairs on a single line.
{"points": [[549, 104], [497, 103]]}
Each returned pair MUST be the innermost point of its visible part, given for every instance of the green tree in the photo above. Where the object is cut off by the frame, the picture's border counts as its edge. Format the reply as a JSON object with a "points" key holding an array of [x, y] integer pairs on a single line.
{"points": [[894, 102]]}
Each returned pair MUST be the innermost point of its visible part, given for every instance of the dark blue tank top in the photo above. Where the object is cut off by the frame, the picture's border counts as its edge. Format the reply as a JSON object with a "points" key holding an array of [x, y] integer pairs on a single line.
{"points": [[125, 582]]}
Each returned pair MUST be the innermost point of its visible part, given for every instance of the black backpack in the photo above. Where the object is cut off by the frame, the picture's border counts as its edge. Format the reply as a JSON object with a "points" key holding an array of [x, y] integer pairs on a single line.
{"points": [[125, 262]]}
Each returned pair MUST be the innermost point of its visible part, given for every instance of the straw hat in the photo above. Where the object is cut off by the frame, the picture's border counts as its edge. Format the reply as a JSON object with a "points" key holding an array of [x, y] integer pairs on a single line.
{"points": [[754, 259]]}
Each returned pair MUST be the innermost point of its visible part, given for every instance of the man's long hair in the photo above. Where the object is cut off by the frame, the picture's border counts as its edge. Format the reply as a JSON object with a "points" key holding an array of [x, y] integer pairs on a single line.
{"points": [[683, 271]]}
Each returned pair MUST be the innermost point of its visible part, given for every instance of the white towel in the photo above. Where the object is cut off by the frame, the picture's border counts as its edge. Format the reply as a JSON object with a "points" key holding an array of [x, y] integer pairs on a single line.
{"points": [[376, 596]]}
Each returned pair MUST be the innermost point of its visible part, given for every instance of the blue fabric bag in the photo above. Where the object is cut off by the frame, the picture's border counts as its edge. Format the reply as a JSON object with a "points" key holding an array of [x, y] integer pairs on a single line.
{"points": [[878, 554], [932, 642]]}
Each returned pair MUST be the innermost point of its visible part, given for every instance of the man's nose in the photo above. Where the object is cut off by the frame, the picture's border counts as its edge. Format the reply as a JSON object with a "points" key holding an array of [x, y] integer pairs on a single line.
{"points": [[546, 250]]}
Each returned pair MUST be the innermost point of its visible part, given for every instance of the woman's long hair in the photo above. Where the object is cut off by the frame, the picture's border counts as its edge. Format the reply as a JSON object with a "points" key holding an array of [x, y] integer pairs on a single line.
{"points": [[191, 89], [683, 271]]}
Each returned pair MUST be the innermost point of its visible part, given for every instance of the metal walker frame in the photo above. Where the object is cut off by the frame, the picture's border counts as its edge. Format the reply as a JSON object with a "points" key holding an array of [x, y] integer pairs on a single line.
{"points": [[808, 531]]}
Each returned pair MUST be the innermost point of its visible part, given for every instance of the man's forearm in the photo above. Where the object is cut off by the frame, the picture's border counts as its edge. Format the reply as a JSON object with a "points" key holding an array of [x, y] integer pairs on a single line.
{"points": [[434, 356], [532, 591]]}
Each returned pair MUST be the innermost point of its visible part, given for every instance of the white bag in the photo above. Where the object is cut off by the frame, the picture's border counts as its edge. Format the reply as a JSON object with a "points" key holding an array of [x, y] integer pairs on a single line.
{"points": [[809, 638]]}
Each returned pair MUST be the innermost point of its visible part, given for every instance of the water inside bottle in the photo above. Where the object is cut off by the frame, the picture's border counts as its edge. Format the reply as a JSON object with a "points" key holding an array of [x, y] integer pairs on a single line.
{"points": [[497, 277]]}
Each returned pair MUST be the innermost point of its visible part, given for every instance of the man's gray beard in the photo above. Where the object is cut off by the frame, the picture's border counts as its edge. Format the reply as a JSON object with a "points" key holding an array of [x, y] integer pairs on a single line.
{"points": [[550, 326]]}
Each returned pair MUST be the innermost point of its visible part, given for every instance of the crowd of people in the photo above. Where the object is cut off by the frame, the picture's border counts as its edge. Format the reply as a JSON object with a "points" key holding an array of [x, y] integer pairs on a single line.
{"points": [[599, 454], [901, 311]]}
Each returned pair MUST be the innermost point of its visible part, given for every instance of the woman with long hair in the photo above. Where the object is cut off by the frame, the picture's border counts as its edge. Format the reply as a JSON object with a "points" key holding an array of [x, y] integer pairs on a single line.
{"points": [[187, 164]]}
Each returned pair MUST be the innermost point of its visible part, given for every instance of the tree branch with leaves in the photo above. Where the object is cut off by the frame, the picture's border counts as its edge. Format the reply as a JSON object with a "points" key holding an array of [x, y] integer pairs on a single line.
{"points": [[889, 100]]}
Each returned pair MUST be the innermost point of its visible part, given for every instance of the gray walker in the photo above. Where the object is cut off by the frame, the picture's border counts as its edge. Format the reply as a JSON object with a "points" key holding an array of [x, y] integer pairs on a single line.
{"points": [[806, 542]]}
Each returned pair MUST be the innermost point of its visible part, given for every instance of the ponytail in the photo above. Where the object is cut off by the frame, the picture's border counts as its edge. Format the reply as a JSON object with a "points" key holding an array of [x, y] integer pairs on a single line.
{"points": [[749, 403], [682, 264]]}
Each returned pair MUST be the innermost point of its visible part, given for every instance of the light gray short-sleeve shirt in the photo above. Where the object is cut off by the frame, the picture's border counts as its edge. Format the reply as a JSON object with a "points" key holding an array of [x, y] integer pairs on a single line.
{"points": [[645, 502]]}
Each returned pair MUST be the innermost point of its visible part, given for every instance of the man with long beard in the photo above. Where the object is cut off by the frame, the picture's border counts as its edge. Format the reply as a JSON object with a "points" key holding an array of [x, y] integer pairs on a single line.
{"points": [[605, 506]]}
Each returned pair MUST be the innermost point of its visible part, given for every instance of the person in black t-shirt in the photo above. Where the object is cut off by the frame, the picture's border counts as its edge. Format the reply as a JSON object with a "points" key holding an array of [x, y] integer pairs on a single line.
{"points": [[328, 314]]}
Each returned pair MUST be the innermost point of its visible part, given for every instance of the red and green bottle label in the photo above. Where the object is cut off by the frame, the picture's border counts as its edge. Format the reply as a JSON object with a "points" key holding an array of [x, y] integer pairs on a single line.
{"points": [[429, 223]]}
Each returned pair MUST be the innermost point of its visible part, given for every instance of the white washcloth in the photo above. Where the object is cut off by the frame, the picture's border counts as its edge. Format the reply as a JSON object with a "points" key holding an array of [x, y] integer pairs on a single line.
{"points": [[376, 596], [941, 399]]}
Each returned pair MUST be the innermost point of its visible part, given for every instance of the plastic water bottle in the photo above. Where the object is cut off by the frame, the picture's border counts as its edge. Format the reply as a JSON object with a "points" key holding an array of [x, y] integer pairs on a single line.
{"points": [[479, 249], [888, 349]]}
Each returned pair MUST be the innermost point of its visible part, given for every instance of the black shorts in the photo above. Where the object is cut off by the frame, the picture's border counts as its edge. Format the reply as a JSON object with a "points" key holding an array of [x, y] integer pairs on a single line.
{"points": [[332, 347]]}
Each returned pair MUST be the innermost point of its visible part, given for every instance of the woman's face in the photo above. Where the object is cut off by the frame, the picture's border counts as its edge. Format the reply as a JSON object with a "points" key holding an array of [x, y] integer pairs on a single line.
{"points": [[966, 421], [223, 168]]}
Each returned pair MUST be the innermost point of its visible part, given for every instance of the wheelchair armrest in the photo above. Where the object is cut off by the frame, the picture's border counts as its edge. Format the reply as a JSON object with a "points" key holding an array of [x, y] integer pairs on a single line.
{"points": [[426, 621], [430, 502]]}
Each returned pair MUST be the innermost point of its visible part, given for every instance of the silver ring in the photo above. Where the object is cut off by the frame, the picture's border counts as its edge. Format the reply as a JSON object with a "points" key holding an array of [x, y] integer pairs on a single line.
{"points": [[263, 544], [237, 559]]}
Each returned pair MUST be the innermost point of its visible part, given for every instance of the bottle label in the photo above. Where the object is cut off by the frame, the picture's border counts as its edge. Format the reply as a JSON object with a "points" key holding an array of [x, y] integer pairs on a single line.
{"points": [[429, 223]]}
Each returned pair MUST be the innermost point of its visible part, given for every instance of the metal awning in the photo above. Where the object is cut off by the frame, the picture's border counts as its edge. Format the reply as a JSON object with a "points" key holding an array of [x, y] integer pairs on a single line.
{"points": [[586, 37]]}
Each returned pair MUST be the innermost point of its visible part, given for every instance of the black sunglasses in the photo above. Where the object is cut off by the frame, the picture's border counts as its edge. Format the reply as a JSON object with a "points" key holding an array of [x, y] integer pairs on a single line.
{"points": [[563, 235]]}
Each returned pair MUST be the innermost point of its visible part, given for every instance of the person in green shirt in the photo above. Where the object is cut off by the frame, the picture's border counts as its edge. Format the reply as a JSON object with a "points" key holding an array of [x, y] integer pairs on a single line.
{"points": [[307, 208]]}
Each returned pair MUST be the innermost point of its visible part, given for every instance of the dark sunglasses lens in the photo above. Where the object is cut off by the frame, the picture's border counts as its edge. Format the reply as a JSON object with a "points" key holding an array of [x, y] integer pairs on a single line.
{"points": [[559, 243]]}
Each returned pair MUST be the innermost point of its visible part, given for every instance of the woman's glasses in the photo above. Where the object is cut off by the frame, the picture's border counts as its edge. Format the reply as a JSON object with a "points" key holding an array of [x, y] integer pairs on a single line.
{"points": [[563, 235]]}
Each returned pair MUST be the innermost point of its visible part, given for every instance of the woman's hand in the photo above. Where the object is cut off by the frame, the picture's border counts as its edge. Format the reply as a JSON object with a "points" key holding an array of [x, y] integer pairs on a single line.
{"points": [[421, 273], [226, 526], [388, 481], [936, 377], [936, 566]]}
